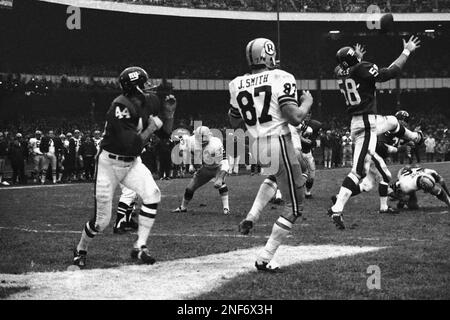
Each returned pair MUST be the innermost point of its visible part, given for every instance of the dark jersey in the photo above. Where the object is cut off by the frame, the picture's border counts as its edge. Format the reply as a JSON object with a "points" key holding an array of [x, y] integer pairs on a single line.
{"points": [[315, 126], [125, 120], [357, 84]]}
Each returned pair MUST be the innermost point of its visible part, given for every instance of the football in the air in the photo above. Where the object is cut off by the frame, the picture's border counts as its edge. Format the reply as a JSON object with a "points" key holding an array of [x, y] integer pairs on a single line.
{"points": [[387, 22]]}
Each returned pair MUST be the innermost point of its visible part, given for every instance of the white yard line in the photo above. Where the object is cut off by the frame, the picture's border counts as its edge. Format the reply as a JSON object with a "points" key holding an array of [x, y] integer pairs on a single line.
{"points": [[219, 235], [177, 279]]}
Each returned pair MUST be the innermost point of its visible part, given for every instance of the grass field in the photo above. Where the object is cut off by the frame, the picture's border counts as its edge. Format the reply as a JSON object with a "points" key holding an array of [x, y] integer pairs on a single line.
{"points": [[202, 256]]}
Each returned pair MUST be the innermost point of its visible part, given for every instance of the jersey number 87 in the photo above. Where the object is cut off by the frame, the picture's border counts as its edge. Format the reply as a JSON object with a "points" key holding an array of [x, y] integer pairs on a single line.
{"points": [[247, 104], [350, 91]]}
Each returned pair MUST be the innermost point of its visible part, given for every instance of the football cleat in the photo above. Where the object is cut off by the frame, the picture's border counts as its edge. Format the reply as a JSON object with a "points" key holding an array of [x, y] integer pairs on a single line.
{"points": [[142, 254], [337, 218], [132, 225], [389, 210], [308, 196], [226, 211], [79, 258], [245, 226], [267, 267], [120, 227], [179, 209]]}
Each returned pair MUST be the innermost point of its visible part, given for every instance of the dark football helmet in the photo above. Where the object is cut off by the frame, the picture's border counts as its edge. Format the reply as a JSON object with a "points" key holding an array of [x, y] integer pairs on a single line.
{"points": [[134, 80], [347, 57], [402, 115]]}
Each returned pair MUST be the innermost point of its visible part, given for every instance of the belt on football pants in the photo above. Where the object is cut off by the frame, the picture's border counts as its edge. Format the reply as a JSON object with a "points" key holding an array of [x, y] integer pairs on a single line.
{"points": [[121, 158]]}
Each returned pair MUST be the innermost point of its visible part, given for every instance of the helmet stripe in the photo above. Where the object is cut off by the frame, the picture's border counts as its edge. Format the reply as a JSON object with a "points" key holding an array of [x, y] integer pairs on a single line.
{"points": [[250, 52]]}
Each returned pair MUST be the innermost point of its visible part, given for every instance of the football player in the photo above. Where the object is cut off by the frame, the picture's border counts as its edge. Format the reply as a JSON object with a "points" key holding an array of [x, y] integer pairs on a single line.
{"points": [[48, 149], [356, 79], [97, 138], [410, 180], [207, 150], [130, 121], [309, 132], [266, 101], [38, 158]]}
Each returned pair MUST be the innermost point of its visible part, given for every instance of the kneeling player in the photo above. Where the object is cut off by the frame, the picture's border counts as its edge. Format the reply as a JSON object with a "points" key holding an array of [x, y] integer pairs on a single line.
{"points": [[411, 180], [208, 151]]}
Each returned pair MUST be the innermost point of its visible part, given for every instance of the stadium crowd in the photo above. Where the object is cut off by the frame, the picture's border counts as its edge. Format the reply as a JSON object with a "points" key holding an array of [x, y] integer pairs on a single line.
{"points": [[75, 139], [305, 5]]}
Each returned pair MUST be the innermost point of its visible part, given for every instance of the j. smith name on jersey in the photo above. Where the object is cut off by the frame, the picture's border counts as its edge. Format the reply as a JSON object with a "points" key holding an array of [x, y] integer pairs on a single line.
{"points": [[253, 81]]}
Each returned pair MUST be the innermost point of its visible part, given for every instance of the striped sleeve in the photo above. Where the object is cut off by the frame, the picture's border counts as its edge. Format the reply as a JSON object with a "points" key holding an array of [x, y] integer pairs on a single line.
{"points": [[286, 90]]}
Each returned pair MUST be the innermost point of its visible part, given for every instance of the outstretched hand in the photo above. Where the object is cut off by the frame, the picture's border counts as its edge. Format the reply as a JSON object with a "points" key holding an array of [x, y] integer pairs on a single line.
{"points": [[360, 51], [412, 44]]}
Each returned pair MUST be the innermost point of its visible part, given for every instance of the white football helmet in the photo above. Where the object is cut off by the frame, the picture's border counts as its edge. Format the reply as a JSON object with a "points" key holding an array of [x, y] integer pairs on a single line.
{"points": [[202, 135], [261, 53]]}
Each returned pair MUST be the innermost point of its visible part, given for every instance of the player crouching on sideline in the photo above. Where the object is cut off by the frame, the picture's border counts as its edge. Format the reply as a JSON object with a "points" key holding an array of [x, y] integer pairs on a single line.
{"points": [[207, 150], [130, 121], [357, 79], [266, 101], [410, 180]]}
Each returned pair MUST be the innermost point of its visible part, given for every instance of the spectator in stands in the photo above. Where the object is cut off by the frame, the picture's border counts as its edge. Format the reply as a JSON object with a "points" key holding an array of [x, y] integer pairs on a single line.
{"points": [[441, 150], [165, 162], [327, 144], [3, 155], [87, 151], [430, 146]]}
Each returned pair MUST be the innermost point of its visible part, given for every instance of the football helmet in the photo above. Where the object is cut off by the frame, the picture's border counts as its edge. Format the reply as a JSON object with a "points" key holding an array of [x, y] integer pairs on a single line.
{"points": [[134, 80], [202, 135], [347, 57], [261, 53], [402, 115]]}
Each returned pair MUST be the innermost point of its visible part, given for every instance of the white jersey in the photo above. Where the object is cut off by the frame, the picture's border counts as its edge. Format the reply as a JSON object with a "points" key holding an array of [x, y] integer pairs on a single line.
{"points": [[296, 134], [97, 142], [34, 145], [258, 99], [51, 147], [407, 179], [212, 155], [77, 144]]}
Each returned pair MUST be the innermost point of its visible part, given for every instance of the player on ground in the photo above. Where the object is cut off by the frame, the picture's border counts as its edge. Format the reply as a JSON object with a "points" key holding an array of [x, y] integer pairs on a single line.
{"points": [[130, 121], [266, 101], [411, 180], [357, 80], [208, 150]]}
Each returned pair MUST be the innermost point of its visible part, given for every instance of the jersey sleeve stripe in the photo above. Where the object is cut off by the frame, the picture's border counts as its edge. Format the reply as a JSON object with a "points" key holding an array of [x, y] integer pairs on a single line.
{"points": [[286, 99]]}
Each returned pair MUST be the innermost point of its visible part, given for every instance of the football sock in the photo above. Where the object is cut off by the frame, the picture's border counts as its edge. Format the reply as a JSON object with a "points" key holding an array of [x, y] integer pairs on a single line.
{"points": [[443, 197], [383, 192], [129, 211], [89, 232], [223, 191], [281, 228], [121, 213], [146, 220], [405, 133], [266, 192], [188, 195], [348, 187], [278, 194]]}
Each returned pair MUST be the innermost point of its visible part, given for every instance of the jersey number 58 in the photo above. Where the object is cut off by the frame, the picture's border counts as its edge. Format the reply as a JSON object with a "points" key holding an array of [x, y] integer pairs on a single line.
{"points": [[350, 91]]}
